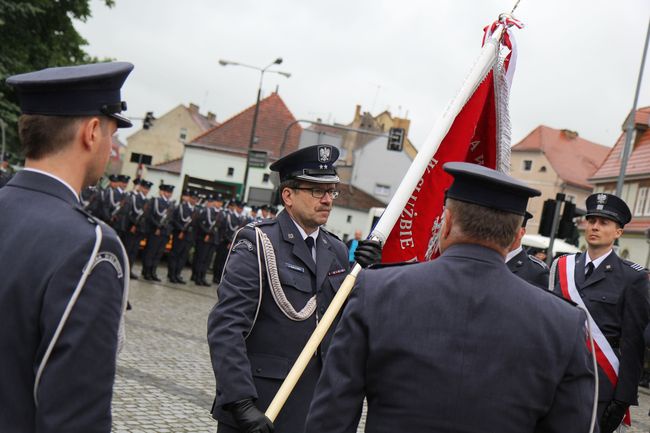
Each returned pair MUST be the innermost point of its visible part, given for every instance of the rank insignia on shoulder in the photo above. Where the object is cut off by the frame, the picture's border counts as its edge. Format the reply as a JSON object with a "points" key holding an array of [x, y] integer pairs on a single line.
{"points": [[336, 272], [637, 267], [243, 243], [295, 267]]}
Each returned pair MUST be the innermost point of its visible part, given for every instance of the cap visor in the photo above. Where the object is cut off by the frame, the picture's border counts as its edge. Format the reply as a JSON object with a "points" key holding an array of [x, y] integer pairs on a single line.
{"points": [[122, 122], [319, 179]]}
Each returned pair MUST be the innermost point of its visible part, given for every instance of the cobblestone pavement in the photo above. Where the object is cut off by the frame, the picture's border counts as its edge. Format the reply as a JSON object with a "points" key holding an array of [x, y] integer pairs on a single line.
{"points": [[164, 377]]}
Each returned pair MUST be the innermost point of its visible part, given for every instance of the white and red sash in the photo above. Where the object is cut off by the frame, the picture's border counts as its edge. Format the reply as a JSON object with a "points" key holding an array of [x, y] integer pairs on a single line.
{"points": [[605, 356]]}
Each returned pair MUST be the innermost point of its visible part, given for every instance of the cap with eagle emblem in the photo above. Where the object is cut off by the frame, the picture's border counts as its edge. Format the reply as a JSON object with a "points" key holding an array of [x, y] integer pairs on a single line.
{"points": [[312, 164], [608, 206]]}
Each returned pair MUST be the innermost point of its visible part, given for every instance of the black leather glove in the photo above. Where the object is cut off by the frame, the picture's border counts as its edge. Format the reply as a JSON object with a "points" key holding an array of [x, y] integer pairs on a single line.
{"points": [[249, 418], [613, 416], [368, 252]]}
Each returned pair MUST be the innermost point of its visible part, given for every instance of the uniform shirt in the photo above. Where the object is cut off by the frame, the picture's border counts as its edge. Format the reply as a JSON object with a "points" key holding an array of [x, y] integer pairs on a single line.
{"points": [[304, 235], [596, 262]]}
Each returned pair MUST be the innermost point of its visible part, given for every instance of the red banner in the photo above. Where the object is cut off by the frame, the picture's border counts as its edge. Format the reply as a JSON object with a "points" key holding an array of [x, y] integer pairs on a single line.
{"points": [[471, 138]]}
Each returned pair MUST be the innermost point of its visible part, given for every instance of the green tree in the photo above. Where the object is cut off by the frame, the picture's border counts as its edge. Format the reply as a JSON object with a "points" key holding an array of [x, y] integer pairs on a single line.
{"points": [[36, 34]]}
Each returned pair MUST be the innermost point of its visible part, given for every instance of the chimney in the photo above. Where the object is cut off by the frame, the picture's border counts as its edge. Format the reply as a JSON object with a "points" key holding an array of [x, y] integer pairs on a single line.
{"points": [[194, 108], [212, 117]]}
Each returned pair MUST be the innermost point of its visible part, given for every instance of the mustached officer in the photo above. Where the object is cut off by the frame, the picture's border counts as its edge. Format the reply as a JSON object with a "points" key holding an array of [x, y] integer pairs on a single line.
{"points": [[254, 337], [499, 354], [62, 298], [525, 266], [615, 292]]}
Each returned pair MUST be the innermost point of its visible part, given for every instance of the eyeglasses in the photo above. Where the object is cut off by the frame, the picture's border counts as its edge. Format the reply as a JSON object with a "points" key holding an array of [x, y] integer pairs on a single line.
{"points": [[319, 193]]}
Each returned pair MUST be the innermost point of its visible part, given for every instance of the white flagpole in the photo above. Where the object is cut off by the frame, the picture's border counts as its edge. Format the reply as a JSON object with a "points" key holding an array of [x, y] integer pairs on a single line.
{"points": [[485, 62]]}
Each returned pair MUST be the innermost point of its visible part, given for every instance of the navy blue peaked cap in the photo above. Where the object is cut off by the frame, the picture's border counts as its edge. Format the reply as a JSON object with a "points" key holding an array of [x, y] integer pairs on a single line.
{"points": [[488, 188], [608, 206], [166, 187], [145, 184], [311, 164], [85, 90]]}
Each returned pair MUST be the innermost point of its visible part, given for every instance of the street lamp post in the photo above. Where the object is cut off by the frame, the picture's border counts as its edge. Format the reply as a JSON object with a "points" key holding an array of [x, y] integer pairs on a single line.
{"points": [[251, 143]]}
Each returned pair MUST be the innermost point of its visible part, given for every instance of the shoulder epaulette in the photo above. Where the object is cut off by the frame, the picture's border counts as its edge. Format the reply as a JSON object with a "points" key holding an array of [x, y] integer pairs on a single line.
{"points": [[389, 265], [637, 267], [331, 234], [262, 223], [89, 217], [538, 261]]}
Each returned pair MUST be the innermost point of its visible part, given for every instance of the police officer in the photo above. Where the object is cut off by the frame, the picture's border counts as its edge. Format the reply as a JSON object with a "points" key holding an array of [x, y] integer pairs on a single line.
{"points": [[255, 339], [233, 219], [137, 208], [111, 199], [208, 225], [525, 266], [615, 291], [458, 343], [63, 297], [158, 219], [182, 237]]}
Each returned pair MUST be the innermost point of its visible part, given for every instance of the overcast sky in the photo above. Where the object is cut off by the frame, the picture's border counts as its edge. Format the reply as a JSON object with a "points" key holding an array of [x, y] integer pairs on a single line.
{"points": [[577, 68]]}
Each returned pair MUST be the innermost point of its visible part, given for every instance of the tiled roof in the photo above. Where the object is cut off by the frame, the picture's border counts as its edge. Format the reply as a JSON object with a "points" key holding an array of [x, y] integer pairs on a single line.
{"points": [[234, 134], [354, 198], [639, 159], [173, 166], [574, 159]]}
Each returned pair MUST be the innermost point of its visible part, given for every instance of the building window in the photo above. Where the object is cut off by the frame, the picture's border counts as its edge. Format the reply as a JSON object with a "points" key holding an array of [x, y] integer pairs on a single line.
{"points": [[265, 178], [231, 171], [641, 199], [183, 134], [382, 190], [543, 169], [646, 211], [528, 164], [349, 220]]}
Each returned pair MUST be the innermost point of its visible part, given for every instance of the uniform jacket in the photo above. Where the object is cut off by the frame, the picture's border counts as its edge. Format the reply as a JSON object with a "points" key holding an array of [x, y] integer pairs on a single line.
{"points": [[182, 221], [616, 295], [45, 244], [255, 366], [530, 269], [137, 211], [459, 344], [157, 217], [111, 200], [210, 223]]}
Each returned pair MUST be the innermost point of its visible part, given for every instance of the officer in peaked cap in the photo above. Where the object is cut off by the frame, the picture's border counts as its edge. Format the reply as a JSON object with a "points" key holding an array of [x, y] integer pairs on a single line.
{"points": [[69, 116], [615, 291], [158, 218], [182, 237], [502, 355], [252, 353], [525, 266]]}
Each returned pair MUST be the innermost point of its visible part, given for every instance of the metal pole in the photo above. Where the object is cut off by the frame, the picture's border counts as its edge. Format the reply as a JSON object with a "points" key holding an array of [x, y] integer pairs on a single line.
{"points": [[629, 129], [559, 198], [252, 140]]}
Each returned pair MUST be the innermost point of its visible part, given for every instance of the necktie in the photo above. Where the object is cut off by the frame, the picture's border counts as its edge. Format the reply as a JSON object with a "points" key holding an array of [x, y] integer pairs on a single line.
{"points": [[310, 245], [590, 270]]}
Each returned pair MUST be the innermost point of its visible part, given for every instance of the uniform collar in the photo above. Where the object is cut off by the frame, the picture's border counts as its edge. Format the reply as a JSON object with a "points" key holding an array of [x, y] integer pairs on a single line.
{"points": [[598, 261], [511, 255], [304, 234], [57, 178]]}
